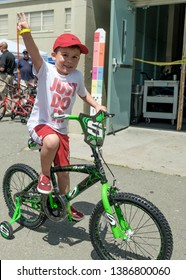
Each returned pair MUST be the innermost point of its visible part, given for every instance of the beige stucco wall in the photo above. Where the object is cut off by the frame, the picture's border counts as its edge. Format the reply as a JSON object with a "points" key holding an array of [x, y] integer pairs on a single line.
{"points": [[44, 40]]}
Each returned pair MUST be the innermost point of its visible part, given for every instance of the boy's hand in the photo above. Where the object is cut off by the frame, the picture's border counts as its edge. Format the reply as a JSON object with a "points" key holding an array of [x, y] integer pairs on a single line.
{"points": [[29, 42], [22, 22], [100, 107]]}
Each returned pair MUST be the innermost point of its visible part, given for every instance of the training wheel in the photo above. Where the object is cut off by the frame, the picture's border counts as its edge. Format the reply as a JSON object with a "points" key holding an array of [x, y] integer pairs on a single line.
{"points": [[23, 120], [6, 230]]}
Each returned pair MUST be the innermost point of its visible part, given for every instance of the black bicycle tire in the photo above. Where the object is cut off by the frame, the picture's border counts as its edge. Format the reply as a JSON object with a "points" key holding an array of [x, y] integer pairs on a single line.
{"points": [[9, 230], [4, 111], [13, 114], [36, 219], [128, 199]]}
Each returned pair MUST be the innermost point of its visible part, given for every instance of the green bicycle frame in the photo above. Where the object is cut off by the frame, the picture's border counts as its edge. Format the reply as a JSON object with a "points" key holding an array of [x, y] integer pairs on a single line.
{"points": [[17, 212], [94, 175], [118, 231]]}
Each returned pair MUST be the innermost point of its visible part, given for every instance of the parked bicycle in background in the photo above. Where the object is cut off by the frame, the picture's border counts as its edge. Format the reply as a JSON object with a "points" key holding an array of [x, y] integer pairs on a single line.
{"points": [[15, 103]]}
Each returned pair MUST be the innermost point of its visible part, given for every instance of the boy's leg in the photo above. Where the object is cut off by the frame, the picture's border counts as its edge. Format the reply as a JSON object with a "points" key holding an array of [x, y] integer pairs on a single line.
{"points": [[49, 141], [47, 155], [62, 159], [64, 187], [63, 182], [48, 152]]}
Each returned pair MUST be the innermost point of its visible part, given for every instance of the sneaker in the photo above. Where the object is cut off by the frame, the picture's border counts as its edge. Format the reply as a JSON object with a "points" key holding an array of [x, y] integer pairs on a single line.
{"points": [[76, 214], [44, 185]]}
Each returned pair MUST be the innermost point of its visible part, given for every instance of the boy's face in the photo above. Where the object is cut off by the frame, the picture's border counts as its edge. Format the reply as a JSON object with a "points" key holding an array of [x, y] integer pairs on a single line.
{"points": [[66, 59]]}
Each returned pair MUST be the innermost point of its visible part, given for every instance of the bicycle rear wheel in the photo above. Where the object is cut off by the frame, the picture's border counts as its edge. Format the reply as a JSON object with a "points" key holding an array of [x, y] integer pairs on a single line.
{"points": [[21, 180], [150, 236], [2, 110]]}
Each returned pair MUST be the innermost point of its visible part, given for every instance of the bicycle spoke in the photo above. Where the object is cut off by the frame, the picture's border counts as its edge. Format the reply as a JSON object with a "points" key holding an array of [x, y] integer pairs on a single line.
{"points": [[144, 239], [21, 181]]}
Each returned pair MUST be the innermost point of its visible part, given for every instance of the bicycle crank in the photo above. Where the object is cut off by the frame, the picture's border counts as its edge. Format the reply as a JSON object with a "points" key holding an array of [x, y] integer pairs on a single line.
{"points": [[54, 207]]}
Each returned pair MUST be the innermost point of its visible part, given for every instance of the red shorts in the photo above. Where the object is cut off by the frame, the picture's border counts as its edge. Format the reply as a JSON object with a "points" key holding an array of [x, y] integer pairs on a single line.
{"points": [[63, 152]]}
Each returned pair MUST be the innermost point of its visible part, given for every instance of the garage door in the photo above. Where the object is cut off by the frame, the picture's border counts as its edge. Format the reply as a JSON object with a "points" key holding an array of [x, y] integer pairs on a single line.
{"points": [[141, 3]]}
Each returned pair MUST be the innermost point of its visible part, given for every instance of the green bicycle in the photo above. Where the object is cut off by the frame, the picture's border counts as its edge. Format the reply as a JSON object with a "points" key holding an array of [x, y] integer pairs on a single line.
{"points": [[121, 225]]}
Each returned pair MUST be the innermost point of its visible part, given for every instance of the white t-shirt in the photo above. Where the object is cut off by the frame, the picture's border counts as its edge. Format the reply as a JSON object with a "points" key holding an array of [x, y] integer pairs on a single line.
{"points": [[55, 93]]}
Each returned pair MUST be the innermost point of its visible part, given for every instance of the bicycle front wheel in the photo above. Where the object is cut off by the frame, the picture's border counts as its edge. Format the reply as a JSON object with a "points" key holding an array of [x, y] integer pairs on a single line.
{"points": [[149, 236], [21, 180]]}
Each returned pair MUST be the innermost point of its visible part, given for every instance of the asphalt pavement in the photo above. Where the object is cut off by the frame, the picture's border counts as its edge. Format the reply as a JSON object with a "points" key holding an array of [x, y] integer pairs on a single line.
{"points": [[150, 163]]}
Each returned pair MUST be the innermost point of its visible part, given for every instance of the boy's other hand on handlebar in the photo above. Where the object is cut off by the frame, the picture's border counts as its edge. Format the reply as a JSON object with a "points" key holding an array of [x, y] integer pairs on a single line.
{"points": [[100, 108]]}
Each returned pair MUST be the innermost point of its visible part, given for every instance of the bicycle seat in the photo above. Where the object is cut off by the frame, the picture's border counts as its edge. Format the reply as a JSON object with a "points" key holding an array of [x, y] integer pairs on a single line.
{"points": [[33, 145]]}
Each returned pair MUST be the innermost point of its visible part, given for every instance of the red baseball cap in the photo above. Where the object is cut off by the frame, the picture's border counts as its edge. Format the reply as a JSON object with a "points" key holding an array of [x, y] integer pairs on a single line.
{"points": [[68, 40]]}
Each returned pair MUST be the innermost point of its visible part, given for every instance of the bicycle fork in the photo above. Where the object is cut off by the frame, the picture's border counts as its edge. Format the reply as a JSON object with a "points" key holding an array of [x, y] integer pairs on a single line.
{"points": [[17, 211], [123, 230]]}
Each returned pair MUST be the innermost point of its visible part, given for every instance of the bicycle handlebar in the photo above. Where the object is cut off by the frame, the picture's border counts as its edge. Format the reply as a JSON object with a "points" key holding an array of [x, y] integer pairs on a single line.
{"points": [[60, 116], [75, 117], [108, 115]]}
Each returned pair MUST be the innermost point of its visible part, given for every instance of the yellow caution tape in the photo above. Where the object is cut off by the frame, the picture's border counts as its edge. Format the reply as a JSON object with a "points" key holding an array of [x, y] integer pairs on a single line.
{"points": [[177, 62]]}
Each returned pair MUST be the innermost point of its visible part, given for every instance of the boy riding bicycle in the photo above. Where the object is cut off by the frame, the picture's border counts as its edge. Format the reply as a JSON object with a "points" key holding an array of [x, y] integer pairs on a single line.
{"points": [[58, 86]]}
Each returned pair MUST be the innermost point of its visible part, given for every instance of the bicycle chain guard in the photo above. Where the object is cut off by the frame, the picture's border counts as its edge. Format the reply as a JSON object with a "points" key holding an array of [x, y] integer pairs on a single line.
{"points": [[56, 213]]}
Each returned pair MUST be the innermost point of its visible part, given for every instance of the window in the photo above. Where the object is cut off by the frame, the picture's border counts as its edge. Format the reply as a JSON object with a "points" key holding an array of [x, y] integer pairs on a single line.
{"points": [[124, 41], [41, 21], [3, 24], [67, 19]]}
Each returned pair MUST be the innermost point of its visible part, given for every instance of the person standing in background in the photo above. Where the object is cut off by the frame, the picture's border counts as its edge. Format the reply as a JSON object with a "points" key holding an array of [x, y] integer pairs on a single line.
{"points": [[25, 66], [7, 66]]}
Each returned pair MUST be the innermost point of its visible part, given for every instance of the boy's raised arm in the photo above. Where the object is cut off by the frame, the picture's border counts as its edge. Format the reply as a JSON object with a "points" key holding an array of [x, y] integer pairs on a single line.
{"points": [[28, 40]]}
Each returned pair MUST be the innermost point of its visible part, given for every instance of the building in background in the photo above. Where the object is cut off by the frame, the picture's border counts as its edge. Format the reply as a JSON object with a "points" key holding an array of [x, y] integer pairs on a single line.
{"points": [[148, 29]]}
